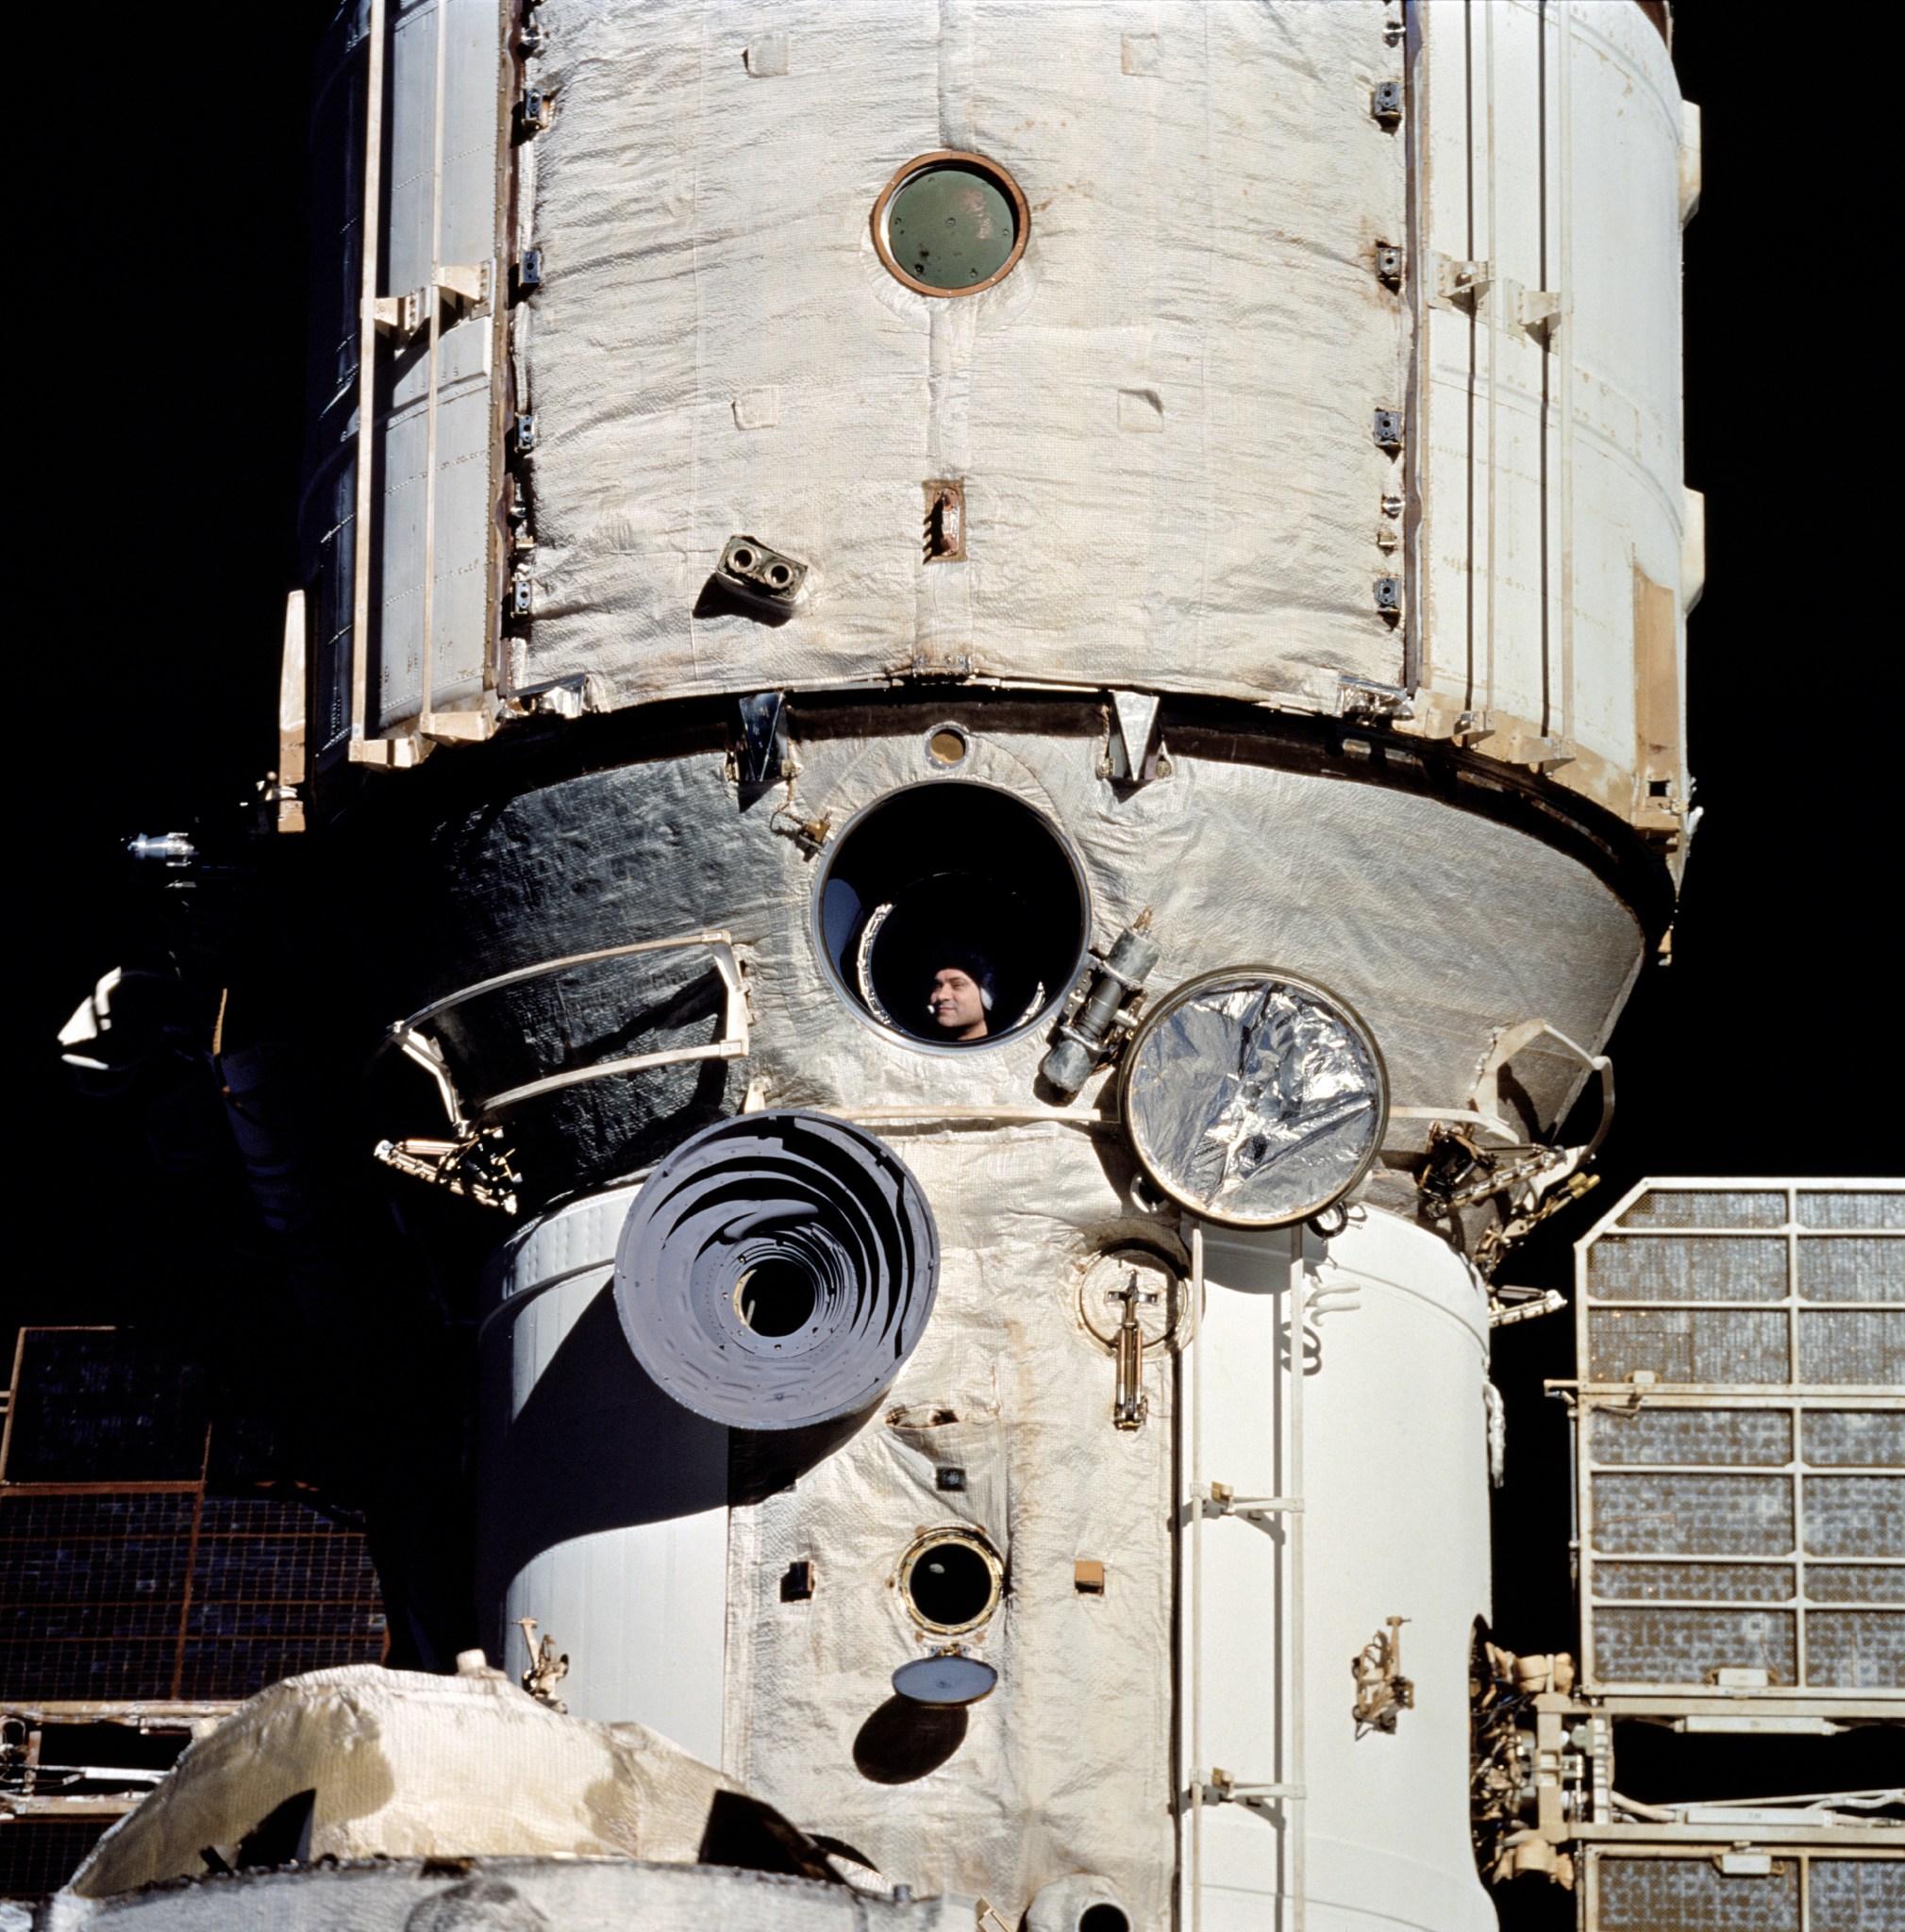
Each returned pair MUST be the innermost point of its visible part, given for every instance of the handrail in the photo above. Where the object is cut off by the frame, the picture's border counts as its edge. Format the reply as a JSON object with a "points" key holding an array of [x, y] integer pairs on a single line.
{"points": [[369, 265], [406, 1036]]}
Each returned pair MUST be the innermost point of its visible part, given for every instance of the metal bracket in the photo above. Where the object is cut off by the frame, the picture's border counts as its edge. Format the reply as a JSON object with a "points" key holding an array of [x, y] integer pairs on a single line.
{"points": [[1390, 263], [1386, 429], [763, 737], [1538, 311], [1486, 1095], [460, 288], [1224, 1501], [1382, 1693], [1503, 1313], [476, 1164], [1385, 103], [1462, 284], [1132, 753], [1361, 698], [401, 316], [1218, 1786], [940, 670]]}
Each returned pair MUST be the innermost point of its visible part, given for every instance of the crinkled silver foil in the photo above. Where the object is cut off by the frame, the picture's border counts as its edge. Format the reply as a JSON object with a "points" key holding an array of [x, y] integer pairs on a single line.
{"points": [[1258, 1102]]}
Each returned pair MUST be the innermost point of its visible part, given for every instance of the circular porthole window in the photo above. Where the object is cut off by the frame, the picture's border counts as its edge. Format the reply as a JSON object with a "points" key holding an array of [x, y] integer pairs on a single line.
{"points": [[951, 1580], [950, 223], [952, 914]]}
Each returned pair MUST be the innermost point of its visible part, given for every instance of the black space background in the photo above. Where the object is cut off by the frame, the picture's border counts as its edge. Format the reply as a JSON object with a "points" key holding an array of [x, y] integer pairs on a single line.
{"points": [[157, 383]]}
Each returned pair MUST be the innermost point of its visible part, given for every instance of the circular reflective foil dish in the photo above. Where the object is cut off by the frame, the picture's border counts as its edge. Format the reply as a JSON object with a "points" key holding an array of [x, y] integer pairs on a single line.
{"points": [[1254, 1098]]}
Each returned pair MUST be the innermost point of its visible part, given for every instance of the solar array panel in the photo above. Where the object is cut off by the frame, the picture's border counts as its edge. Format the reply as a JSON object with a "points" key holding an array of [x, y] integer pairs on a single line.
{"points": [[1740, 1439], [1690, 1890], [120, 1579]]}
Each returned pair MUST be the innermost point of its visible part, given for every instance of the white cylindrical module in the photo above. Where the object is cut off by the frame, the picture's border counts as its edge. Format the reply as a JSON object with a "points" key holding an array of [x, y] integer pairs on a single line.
{"points": [[1363, 1496], [604, 1504], [1258, 528]]}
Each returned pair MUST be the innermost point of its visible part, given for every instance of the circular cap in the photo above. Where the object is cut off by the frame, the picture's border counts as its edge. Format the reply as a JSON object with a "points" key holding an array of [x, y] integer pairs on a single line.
{"points": [[777, 1269], [1254, 1098], [949, 1679]]}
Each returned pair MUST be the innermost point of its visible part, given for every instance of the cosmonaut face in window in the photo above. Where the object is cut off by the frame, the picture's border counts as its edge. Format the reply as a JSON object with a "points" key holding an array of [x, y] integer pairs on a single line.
{"points": [[959, 1002]]}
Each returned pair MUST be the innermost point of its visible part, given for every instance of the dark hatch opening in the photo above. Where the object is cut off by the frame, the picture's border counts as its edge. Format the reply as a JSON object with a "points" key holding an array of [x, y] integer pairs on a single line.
{"points": [[949, 874]]}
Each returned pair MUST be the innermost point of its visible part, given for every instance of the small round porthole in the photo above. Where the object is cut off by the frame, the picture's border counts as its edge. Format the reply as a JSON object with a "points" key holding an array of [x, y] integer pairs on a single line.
{"points": [[950, 223], [950, 1579], [947, 744], [952, 913]]}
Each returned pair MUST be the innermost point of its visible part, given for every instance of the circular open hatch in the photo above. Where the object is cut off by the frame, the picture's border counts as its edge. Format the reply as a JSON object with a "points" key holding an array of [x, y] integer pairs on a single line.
{"points": [[951, 1580], [953, 914]]}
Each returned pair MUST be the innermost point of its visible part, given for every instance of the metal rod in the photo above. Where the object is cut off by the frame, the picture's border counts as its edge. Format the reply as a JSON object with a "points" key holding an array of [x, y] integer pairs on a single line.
{"points": [[1565, 329], [1194, 1621], [433, 295], [367, 371], [519, 974], [1297, 1804], [603, 1069], [1495, 335], [923, 1116]]}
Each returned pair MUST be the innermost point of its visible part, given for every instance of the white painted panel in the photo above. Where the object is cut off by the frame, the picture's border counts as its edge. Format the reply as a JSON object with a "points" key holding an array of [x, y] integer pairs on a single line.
{"points": [[577, 1441], [1394, 1523], [1550, 467]]}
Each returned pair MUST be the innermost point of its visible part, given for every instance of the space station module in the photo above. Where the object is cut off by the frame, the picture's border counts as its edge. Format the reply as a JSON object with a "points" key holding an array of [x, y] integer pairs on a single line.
{"points": [[1164, 520]]}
